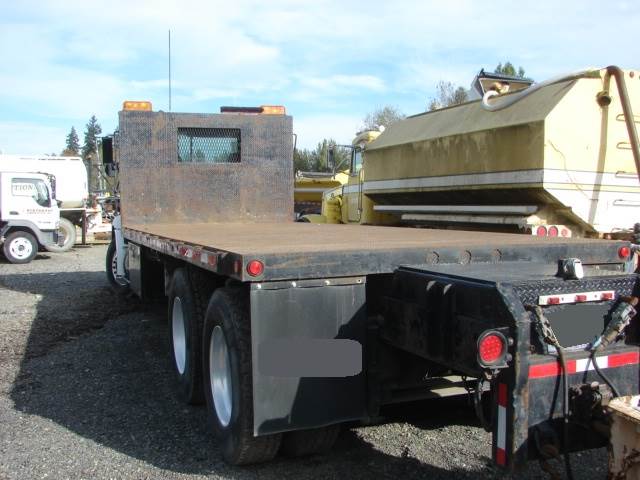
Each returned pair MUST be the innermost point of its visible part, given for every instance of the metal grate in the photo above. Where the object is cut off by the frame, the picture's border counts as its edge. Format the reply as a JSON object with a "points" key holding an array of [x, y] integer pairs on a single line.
{"points": [[209, 145]]}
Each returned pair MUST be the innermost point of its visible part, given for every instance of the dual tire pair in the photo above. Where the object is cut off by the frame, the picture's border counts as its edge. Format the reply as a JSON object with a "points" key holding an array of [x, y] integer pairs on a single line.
{"points": [[210, 342]]}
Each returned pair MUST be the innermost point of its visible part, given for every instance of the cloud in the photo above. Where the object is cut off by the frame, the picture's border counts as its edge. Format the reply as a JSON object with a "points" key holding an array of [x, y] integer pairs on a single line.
{"points": [[328, 61]]}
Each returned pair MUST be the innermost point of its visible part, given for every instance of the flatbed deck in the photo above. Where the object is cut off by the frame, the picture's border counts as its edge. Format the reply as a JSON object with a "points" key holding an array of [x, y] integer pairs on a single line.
{"points": [[304, 251]]}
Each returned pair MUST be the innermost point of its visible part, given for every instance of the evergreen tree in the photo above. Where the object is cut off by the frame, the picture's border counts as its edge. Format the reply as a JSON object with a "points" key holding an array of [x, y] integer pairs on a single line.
{"points": [[72, 144], [316, 160], [89, 152], [93, 129], [509, 69]]}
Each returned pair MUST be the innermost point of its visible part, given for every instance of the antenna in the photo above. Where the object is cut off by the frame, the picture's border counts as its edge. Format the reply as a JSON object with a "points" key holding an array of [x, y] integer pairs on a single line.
{"points": [[169, 70]]}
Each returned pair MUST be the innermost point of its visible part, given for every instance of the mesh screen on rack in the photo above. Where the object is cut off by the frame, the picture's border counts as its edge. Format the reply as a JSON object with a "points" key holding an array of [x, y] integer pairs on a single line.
{"points": [[209, 145]]}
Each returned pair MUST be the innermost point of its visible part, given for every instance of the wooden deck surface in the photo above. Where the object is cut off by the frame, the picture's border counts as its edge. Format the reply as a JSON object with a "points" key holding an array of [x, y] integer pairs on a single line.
{"points": [[294, 238]]}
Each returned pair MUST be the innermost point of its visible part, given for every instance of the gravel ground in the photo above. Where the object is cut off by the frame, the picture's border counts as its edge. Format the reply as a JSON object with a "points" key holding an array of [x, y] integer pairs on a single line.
{"points": [[86, 392]]}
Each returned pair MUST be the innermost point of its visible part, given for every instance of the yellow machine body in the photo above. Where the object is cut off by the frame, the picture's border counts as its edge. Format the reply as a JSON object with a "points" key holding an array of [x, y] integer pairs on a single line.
{"points": [[560, 155]]}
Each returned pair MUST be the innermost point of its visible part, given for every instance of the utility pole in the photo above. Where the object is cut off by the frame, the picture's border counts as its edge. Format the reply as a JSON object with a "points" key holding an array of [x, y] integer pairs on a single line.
{"points": [[169, 70]]}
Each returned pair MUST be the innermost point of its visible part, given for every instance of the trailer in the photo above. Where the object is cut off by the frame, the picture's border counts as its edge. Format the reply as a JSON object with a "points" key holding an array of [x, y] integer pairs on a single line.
{"points": [[288, 330]]}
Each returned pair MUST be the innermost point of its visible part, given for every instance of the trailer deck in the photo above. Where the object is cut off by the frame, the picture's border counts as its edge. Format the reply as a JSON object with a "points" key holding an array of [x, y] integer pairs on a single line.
{"points": [[303, 250]]}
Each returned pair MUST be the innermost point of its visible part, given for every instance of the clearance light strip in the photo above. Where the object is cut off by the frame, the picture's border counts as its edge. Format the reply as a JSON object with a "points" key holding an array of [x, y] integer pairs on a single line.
{"points": [[579, 297], [545, 370], [501, 434]]}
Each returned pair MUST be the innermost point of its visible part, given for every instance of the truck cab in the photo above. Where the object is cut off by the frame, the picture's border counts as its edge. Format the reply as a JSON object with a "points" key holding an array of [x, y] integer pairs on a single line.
{"points": [[29, 215]]}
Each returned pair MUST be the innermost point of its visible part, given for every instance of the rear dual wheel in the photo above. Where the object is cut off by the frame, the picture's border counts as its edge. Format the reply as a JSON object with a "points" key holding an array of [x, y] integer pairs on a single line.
{"points": [[228, 382], [188, 296]]}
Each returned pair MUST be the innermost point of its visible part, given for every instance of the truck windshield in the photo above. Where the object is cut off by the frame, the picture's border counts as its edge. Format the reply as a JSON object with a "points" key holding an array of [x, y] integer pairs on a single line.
{"points": [[31, 187]]}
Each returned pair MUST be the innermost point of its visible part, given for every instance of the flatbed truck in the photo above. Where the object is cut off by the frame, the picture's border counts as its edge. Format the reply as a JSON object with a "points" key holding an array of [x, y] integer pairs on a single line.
{"points": [[287, 330]]}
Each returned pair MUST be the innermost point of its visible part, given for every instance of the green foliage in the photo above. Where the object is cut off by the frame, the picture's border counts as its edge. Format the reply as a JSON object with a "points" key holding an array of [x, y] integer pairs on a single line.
{"points": [[92, 130], [316, 160], [509, 69], [384, 116], [447, 94], [72, 144]]}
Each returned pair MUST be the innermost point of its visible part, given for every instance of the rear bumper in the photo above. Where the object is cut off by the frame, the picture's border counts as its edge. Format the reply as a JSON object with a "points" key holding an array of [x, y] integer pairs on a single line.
{"points": [[532, 416]]}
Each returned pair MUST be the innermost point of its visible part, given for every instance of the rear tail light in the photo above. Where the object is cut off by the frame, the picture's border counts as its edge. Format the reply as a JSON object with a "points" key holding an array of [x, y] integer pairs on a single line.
{"points": [[492, 348], [551, 231], [541, 231], [255, 268], [624, 252]]}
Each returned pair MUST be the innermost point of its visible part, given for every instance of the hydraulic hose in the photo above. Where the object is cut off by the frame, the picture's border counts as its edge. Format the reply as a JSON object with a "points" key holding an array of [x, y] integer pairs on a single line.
{"points": [[516, 97], [601, 374], [565, 413], [551, 339]]}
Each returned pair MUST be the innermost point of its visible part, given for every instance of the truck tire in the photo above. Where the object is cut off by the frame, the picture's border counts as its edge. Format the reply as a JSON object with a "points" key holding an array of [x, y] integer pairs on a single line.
{"points": [[20, 247], [309, 442], [228, 379], [66, 237], [189, 294], [119, 286]]}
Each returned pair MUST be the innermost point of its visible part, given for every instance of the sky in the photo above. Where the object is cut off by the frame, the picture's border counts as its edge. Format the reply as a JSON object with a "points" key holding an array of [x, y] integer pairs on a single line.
{"points": [[329, 62]]}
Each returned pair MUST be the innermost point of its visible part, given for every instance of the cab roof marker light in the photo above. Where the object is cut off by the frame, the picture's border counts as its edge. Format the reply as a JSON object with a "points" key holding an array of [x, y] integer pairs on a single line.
{"points": [[141, 106]]}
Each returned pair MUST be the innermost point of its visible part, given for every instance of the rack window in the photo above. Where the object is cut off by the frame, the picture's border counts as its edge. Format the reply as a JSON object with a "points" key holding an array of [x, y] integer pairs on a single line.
{"points": [[209, 145]]}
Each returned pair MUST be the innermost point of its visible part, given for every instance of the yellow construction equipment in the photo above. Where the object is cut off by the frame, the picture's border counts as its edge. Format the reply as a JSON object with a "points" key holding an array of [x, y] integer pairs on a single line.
{"points": [[556, 159]]}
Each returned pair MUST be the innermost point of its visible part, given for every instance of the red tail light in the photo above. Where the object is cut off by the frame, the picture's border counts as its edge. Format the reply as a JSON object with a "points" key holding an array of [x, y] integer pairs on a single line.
{"points": [[492, 348], [541, 231], [553, 231], [624, 252], [255, 268]]}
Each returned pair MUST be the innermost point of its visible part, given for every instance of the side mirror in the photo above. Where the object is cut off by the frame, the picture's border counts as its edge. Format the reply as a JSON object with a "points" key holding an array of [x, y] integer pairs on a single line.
{"points": [[106, 145]]}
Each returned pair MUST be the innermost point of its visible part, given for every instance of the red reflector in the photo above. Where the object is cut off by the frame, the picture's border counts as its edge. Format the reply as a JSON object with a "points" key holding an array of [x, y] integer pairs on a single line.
{"points": [[564, 232], [553, 301], [581, 298], [553, 231], [541, 231], [491, 348], [255, 268], [607, 296], [624, 252]]}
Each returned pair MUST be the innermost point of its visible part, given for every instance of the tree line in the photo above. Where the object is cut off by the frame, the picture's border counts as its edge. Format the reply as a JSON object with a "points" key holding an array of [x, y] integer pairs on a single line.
{"points": [[72, 143]]}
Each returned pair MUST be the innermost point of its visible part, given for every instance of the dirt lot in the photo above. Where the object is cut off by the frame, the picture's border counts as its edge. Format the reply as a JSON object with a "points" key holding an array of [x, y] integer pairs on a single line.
{"points": [[86, 392]]}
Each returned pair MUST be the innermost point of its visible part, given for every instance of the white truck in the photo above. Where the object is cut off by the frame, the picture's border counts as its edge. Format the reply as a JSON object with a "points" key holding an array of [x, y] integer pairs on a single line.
{"points": [[71, 188], [29, 215]]}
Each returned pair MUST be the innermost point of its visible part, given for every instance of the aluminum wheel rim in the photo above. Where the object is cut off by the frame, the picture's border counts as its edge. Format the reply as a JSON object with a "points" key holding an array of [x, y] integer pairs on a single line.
{"points": [[220, 373], [179, 335], [20, 248]]}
